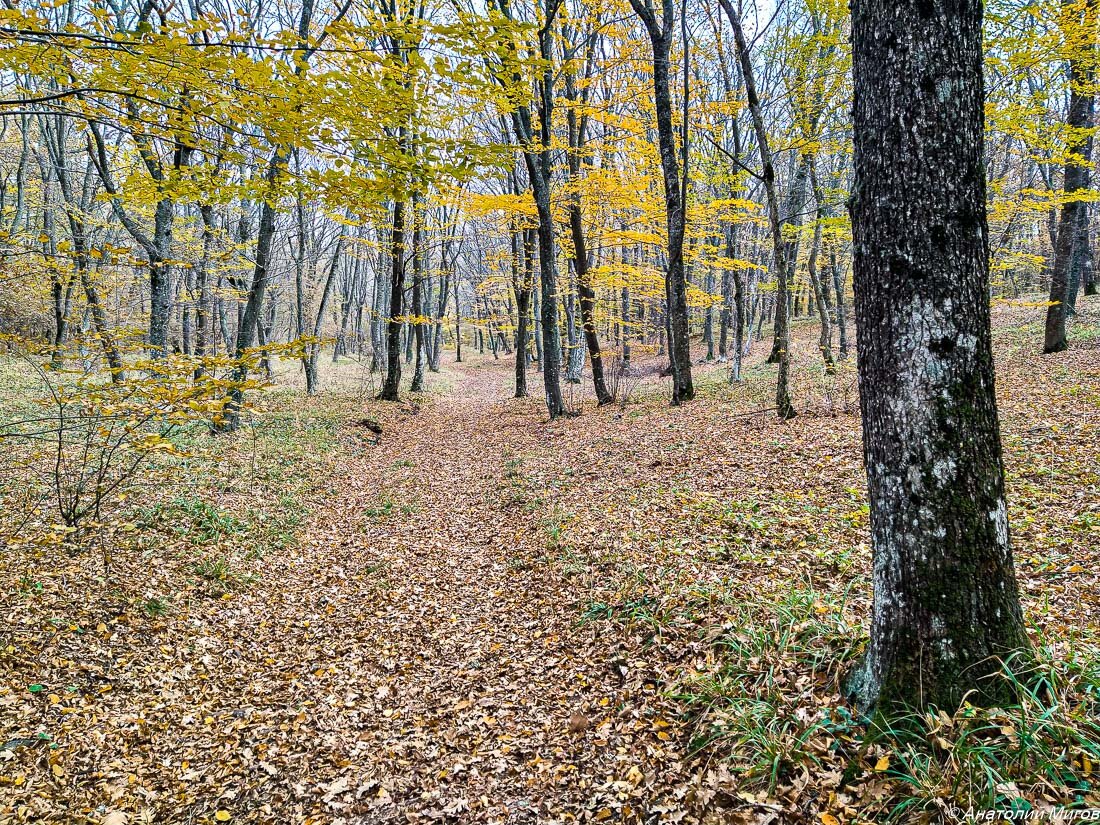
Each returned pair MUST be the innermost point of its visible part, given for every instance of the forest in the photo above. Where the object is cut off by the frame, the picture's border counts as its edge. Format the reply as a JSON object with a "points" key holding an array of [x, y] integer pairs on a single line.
{"points": [[549, 411]]}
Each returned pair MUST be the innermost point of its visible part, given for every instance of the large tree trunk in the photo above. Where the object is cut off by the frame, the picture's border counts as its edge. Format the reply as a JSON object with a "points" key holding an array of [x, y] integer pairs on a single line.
{"points": [[523, 277], [536, 314], [548, 271], [1080, 270], [738, 314], [534, 140], [946, 604]]}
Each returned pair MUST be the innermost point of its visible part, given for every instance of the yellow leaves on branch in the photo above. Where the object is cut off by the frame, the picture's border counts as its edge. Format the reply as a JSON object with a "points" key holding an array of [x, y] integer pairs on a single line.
{"points": [[507, 208]]}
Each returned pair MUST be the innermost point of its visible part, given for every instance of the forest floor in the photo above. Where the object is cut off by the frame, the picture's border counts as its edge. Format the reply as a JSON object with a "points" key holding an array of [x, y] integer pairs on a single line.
{"points": [[639, 614]]}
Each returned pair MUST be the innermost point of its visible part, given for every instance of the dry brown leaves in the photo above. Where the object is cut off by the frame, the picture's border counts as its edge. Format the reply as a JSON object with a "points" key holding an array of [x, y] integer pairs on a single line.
{"points": [[438, 646]]}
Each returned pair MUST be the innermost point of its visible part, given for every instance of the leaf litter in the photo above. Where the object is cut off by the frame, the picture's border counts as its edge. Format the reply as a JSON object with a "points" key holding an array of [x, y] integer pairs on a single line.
{"points": [[486, 617]]}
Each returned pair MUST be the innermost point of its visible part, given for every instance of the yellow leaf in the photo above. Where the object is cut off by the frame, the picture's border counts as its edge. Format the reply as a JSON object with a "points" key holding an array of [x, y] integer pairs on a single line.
{"points": [[882, 764], [829, 819]]}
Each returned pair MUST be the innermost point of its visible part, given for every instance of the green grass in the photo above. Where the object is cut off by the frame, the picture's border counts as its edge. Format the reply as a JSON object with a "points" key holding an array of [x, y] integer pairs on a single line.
{"points": [[222, 575], [383, 510], [755, 706], [216, 502], [1044, 746], [21, 386], [769, 708]]}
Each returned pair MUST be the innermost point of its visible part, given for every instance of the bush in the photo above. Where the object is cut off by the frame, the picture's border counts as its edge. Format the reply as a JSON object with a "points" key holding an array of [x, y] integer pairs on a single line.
{"points": [[89, 436]]}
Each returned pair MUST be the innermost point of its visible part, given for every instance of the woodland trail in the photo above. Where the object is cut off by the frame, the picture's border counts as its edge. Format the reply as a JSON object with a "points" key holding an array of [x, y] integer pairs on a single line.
{"points": [[488, 617], [450, 679]]}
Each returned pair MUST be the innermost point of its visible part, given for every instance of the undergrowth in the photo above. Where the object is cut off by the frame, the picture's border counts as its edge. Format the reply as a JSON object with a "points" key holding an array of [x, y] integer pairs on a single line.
{"points": [[768, 705]]}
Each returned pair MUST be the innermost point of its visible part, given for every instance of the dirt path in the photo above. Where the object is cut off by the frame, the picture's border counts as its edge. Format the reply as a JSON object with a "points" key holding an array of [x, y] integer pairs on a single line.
{"points": [[485, 615], [418, 653], [447, 675]]}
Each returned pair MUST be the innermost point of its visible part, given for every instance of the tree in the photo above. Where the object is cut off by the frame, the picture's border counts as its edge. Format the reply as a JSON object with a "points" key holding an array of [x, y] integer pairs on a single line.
{"points": [[679, 341], [392, 384], [534, 137], [1071, 246], [946, 603], [578, 130], [782, 250]]}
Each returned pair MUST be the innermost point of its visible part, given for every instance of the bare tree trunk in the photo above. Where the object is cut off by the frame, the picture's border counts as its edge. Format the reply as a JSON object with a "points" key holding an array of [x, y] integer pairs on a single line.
{"points": [[781, 249], [1078, 164], [458, 324], [523, 277], [1081, 267], [392, 384], [946, 607], [418, 303], [536, 313], [675, 191]]}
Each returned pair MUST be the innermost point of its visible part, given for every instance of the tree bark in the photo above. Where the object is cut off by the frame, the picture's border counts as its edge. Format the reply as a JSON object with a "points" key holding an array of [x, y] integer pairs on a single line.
{"points": [[675, 191], [392, 384], [780, 248], [523, 276], [418, 304], [1074, 211], [738, 315], [946, 605], [841, 306], [825, 339]]}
